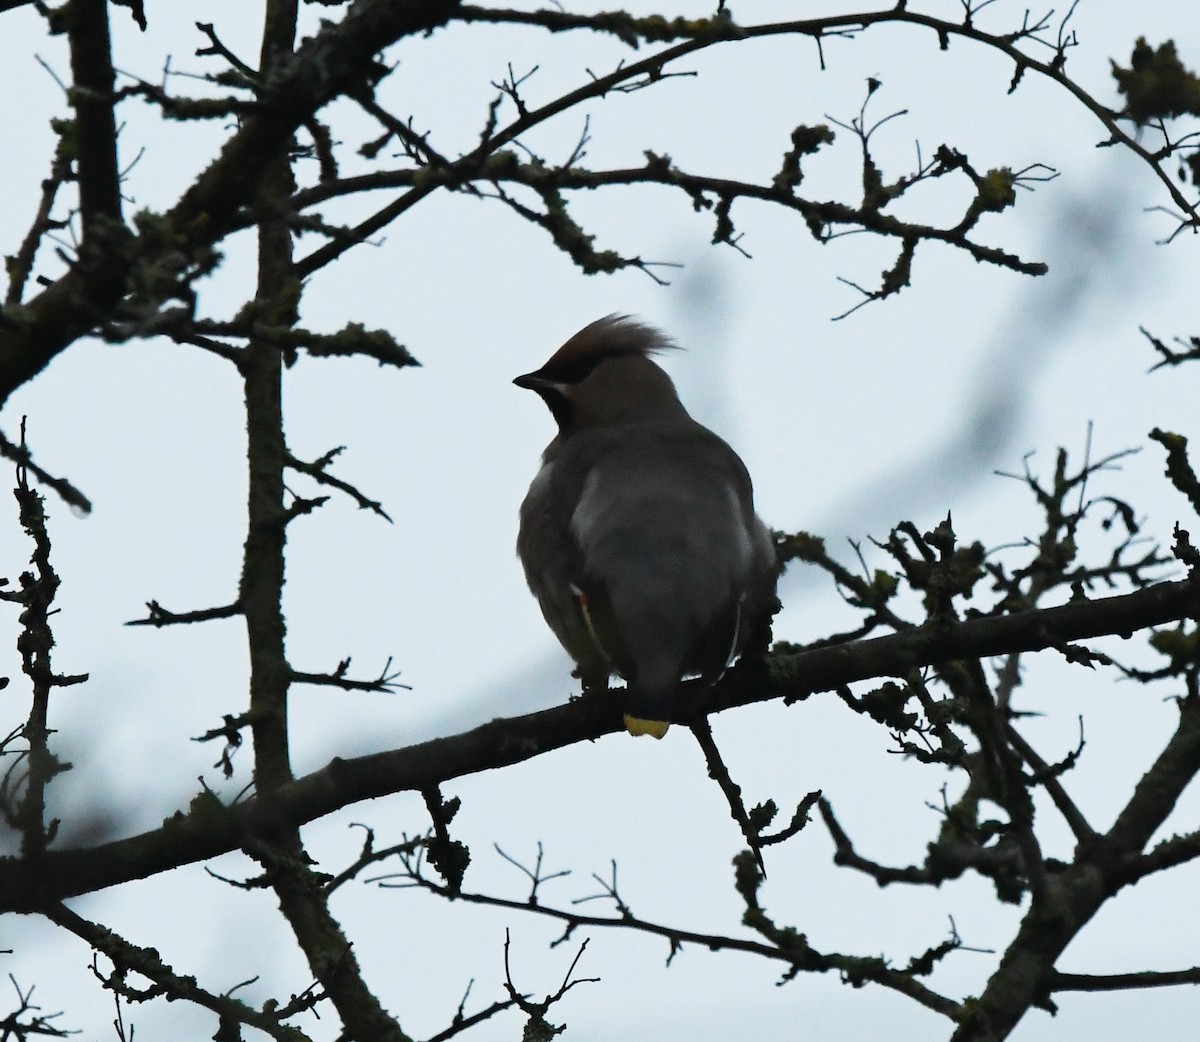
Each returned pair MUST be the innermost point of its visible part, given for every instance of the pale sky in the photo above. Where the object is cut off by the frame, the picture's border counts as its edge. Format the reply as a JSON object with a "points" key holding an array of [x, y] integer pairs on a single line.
{"points": [[902, 411]]}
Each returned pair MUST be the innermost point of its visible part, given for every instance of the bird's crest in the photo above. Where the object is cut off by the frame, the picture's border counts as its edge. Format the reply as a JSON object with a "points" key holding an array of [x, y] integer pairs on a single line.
{"points": [[610, 337]]}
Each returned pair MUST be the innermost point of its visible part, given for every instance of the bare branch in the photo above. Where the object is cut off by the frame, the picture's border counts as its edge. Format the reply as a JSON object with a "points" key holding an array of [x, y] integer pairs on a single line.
{"points": [[127, 957], [158, 616], [1123, 981], [385, 682], [95, 122], [20, 265], [327, 66], [318, 470], [462, 1022], [1047, 775], [23, 457], [28, 1020], [719, 773], [538, 1026]]}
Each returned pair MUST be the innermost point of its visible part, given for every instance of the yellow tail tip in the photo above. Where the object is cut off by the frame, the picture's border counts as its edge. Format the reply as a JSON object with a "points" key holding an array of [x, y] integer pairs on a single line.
{"points": [[636, 726]]}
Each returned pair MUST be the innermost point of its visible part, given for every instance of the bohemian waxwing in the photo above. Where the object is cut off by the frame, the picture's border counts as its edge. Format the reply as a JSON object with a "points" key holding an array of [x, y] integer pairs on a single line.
{"points": [[638, 535]]}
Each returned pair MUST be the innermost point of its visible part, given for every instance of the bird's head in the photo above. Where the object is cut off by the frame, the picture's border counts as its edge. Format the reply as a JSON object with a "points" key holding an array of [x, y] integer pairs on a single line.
{"points": [[604, 375]]}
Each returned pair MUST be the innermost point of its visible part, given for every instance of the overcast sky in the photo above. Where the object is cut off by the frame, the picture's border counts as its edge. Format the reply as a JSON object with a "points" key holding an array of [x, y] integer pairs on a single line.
{"points": [[904, 410]]}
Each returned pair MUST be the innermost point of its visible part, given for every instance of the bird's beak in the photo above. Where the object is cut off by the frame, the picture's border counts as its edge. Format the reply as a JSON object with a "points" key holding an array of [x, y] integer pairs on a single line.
{"points": [[534, 382]]}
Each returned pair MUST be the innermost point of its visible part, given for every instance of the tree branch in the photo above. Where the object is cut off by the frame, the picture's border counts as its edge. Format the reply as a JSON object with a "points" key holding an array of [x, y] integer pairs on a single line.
{"points": [[158, 616], [22, 456], [329, 64], [791, 949], [210, 831], [704, 32], [148, 963], [1123, 981], [98, 173]]}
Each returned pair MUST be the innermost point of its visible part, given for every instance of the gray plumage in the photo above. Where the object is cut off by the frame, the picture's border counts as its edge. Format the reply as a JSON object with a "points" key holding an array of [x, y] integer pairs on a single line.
{"points": [[638, 535]]}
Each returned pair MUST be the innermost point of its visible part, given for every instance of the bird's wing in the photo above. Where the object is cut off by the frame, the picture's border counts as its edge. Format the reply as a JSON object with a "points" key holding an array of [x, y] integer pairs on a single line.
{"points": [[573, 603]]}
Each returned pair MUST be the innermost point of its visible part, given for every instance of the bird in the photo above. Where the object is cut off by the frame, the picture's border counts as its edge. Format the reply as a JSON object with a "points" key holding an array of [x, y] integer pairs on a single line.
{"points": [[638, 536]]}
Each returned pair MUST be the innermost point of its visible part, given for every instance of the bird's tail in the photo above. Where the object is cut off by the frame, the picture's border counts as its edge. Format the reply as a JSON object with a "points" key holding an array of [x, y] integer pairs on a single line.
{"points": [[637, 725], [648, 712]]}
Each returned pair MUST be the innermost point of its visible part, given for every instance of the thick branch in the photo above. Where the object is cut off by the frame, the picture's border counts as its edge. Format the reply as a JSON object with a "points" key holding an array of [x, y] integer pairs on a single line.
{"points": [[95, 123], [1123, 981], [1026, 973], [1160, 787], [326, 947], [209, 831]]}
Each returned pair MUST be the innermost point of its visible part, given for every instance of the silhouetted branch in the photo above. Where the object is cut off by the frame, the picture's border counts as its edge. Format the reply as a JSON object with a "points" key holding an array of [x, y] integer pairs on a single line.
{"points": [[28, 1020], [503, 742], [158, 616], [127, 957], [331, 63], [23, 457], [20, 265], [1191, 349], [1047, 775], [1177, 850], [799, 819], [788, 947], [462, 1022], [95, 133], [318, 470], [719, 773], [701, 33], [23, 798], [537, 1025], [1123, 981], [536, 876], [1179, 470], [385, 682]]}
